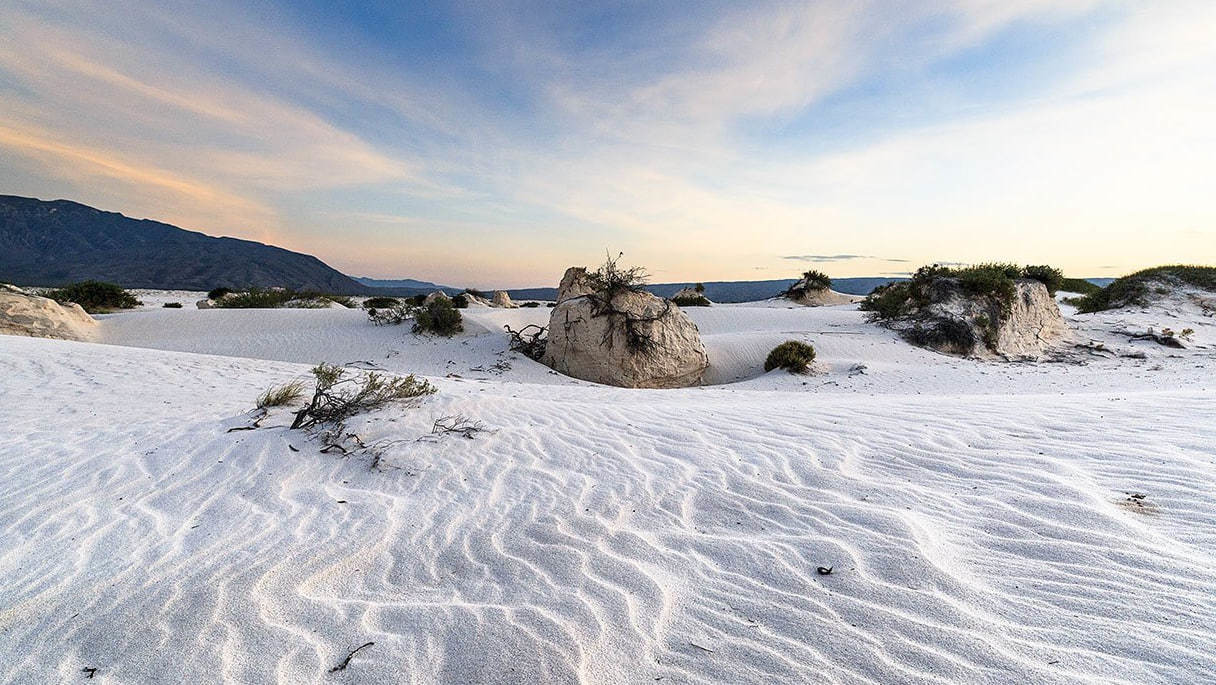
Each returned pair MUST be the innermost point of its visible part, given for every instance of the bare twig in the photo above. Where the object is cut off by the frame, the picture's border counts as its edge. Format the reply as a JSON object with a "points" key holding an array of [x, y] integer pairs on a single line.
{"points": [[346, 662]]}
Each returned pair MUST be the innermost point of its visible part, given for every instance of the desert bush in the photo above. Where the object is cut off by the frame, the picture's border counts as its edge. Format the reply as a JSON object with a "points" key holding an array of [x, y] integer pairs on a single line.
{"points": [[994, 280], [273, 298], [172, 305], [816, 280], [339, 395], [1135, 289], [1049, 276], [460, 301], [393, 315], [281, 395], [887, 301], [380, 302], [1079, 285], [439, 317], [217, 293], [811, 280], [611, 279], [95, 296], [344, 300], [529, 305], [791, 355], [692, 301], [700, 287]]}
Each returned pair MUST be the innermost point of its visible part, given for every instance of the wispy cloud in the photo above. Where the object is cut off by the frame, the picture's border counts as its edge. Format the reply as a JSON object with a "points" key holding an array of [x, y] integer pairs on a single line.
{"points": [[700, 140]]}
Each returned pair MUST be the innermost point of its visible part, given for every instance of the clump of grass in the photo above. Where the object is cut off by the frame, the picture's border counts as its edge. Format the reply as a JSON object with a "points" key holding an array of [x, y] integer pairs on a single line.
{"points": [[172, 305], [529, 305], [339, 394], [439, 317], [791, 355], [1136, 289], [95, 296], [281, 395]]}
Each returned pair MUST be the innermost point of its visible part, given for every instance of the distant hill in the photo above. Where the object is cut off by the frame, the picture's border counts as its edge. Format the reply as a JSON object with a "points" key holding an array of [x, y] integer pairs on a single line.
{"points": [[405, 286], [727, 291], [59, 242]]}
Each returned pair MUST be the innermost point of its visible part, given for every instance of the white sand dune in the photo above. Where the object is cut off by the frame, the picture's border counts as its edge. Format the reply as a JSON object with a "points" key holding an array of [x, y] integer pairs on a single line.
{"points": [[976, 515]]}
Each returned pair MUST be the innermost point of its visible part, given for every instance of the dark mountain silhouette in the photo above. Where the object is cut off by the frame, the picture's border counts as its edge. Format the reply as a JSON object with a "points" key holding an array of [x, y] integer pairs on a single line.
{"points": [[58, 242]]}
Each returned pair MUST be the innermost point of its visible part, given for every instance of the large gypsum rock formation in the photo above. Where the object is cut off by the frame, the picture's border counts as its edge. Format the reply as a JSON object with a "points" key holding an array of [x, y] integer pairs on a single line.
{"points": [[814, 290], [40, 317], [630, 339], [1018, 320]]}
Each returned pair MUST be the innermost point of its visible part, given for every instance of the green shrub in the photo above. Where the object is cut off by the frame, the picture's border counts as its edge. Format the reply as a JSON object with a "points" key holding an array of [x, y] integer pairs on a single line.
{"points": [[460, 301], [218, 293], [887, 301], [1079, 285], [392, 315], [95, 296], [344, 300], [1135, 289], [379, 302], [811, 280], [273, 298], [1049, 276], [994, 280], [439, 317], [692, 301], [700, 287], [791, 355], [529, 305], [256, 298], [172, 305]]}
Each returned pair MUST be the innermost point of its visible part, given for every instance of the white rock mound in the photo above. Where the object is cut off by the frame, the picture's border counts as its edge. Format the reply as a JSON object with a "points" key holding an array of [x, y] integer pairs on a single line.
{"points": [[954, 322], [40, 317], [632, 339], [503, 300], [810, 293]]}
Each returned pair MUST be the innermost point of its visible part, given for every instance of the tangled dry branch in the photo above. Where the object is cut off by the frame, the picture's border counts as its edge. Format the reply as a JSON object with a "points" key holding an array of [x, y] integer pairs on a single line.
{"points": [[529, 341], [339, 396]]}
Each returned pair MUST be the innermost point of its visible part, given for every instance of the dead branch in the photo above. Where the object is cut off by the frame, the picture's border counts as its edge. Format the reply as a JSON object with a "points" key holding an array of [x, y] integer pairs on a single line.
{"points": [[346, 662], [529, 341], [458, 425]]}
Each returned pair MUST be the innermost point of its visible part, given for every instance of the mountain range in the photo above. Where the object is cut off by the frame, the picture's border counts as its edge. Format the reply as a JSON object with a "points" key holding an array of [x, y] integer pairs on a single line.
{"points": [[50, 243]]}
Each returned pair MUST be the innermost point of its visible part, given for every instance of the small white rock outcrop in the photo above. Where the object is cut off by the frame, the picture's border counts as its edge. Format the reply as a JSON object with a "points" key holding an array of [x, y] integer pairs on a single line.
{"points": [[632, 339], [809, 293], [22, 313], [503, 300]]}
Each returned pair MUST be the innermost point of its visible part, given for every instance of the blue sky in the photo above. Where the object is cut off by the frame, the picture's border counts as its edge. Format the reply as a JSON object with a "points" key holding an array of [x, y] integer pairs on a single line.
{"points": [[495, 144]]}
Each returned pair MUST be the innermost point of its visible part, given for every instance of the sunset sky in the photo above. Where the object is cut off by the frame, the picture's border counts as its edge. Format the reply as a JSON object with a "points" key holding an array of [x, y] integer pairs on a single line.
{"points": [[494, 146]]}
